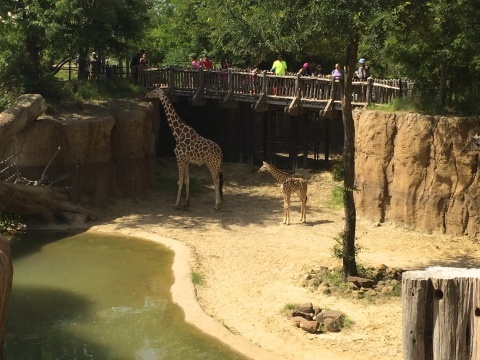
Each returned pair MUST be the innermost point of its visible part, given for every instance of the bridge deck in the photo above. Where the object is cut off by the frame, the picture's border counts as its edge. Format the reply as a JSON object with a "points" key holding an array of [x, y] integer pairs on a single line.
{"points": [[293, 92]]}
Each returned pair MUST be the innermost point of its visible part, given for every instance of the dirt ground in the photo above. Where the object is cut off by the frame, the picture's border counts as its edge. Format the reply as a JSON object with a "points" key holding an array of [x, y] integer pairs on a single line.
{"points": [[252, 264]]}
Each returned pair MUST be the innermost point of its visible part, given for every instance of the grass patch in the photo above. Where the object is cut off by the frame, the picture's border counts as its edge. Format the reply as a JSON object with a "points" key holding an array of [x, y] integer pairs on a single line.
{"points": [[336, 198], [287, 309], [346, 322], [197, 278], [430, 104]]}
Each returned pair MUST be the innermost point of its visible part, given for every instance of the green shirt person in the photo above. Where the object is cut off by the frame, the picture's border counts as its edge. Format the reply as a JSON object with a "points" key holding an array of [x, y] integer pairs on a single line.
{"points": [[279, 66]]}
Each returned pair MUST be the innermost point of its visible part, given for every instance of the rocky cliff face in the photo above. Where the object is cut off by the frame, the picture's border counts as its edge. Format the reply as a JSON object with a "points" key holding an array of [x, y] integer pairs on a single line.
{"points": [[106, 154], [410, 170]]}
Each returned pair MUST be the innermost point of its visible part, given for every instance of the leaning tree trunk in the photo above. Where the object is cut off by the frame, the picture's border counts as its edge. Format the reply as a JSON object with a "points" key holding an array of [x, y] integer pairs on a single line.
{"points": [[348, 249], [49, 204]]}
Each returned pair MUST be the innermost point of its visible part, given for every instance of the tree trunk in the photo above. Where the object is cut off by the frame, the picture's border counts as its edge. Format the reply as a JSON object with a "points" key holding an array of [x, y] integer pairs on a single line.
{"points": [[26, 110], [348, 249], [33, 53], [49, 204], [32, 201]]}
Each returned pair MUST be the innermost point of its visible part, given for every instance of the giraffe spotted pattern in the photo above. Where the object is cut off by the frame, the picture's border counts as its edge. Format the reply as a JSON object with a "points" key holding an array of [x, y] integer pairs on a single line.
{"points": [[289, 185], [191, 148]]}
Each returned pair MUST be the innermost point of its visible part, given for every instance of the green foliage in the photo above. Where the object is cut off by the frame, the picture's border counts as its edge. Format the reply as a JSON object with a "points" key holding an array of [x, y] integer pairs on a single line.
{"points": [[76, 92], [335, 278], [338, 171], [433, 42], [38, 35], [429, 104], [336, 198], [337, 249], [197, 278], [289, 306], [362, 271], [346, 322]]}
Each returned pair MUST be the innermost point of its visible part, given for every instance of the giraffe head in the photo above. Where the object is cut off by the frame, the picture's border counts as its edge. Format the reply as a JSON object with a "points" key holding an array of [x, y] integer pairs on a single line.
{"points": [[472, 146], [265, 167], [156, 93]]}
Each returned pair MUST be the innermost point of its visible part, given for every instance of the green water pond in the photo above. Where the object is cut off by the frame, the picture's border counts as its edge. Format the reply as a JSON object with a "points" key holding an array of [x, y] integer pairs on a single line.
{"points": [[91, 296]]}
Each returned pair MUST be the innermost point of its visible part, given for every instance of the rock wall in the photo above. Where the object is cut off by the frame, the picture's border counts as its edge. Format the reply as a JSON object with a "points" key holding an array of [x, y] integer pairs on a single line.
{"points": [[409, 170], [108, 154]]}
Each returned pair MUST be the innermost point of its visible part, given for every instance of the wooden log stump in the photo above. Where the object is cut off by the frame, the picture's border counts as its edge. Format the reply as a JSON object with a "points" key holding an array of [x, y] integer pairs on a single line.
{"points": [[441, 314]]}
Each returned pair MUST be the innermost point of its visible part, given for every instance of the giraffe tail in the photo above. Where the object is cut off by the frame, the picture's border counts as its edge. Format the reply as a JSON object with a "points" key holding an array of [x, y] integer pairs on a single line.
{"points": [[220, 185]]}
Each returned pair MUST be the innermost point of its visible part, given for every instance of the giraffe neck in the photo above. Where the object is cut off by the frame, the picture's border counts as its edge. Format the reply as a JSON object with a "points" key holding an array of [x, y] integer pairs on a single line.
{"points": [[277, 174], [173, 119]]}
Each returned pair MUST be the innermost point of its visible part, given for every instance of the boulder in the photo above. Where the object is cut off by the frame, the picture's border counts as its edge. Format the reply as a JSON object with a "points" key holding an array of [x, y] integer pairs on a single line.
{"points": [[361, 282]]}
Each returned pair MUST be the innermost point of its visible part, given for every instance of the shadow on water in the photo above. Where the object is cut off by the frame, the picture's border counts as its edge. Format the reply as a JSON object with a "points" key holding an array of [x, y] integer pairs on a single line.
{"points": [[90, 296], [23, 244], [36, 316]]}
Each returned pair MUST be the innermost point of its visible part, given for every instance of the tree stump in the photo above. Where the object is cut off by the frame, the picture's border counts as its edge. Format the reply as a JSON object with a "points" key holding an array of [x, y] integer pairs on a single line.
{"points": [[441, 314]]}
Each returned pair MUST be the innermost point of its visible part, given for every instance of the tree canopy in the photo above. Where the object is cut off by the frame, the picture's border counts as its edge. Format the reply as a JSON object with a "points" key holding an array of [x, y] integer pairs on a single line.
{"points": [[433, 42], [43, 33]]}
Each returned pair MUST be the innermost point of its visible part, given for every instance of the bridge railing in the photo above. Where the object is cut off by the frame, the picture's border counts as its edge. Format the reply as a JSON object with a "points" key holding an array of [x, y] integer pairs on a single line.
{"points": [[258, 87]]}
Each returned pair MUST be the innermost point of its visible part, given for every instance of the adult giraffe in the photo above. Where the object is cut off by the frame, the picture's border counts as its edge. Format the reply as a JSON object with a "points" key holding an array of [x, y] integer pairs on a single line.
{"points": [[191, 148]]}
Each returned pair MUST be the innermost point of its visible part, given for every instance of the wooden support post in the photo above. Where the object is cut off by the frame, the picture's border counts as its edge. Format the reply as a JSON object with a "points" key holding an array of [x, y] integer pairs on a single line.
{"points": [[241, 130], [327, 137], [305, 141], [272, 139], [171, 79], [369, 90], [265, 135], [441, 314], [293, 143]]}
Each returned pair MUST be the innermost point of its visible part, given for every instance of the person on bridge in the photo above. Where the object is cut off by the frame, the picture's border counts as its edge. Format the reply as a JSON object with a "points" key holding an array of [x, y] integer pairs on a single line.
{"points": [[337, 73], [305, 70], [195, 62], [279, 66], [361, 73], [318, 72], [206, 63], [134, 65], [95, 66]]}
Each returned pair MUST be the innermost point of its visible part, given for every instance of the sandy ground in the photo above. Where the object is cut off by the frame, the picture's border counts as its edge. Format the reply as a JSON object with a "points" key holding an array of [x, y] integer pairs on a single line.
{"points": [[252, 264]]}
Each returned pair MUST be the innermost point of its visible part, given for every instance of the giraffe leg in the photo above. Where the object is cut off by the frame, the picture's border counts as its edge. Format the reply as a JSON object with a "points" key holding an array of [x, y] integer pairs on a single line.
{"points": [[286, 209], [303, 205], [304, 209], [186, 180], [181, 175], [216, 182]]}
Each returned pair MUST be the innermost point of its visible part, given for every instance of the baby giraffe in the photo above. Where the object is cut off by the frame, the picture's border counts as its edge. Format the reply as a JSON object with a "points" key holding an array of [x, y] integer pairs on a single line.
{"points": [[289, 184]]}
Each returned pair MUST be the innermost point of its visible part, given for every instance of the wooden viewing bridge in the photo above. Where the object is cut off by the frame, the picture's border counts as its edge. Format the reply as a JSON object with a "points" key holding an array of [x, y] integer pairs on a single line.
{"points": [[294, 93], [277, 100]]}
